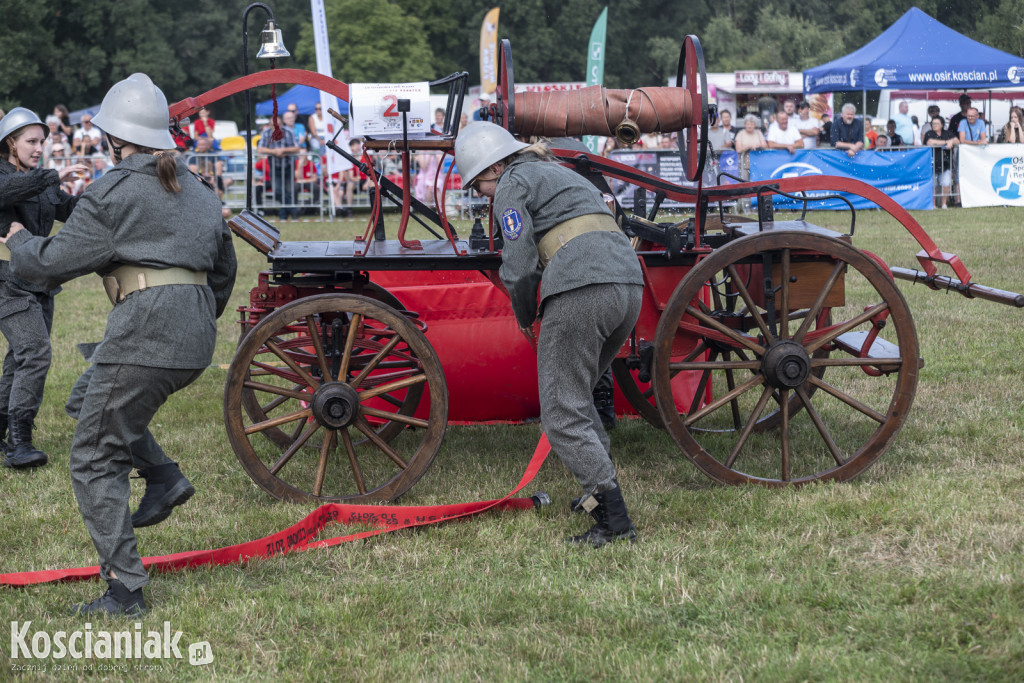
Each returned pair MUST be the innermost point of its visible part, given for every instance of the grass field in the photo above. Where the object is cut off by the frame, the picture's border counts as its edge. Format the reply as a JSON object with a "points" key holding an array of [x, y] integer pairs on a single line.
{"points": [[913, 571]]}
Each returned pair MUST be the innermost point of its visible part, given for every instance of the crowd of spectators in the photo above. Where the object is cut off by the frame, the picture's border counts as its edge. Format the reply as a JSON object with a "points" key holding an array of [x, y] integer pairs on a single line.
{"points": [[294, 162]]}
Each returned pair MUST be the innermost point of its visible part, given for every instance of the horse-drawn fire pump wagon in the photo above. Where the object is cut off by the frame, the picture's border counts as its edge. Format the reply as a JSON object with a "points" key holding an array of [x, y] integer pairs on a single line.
{"points": [[772, 351]]}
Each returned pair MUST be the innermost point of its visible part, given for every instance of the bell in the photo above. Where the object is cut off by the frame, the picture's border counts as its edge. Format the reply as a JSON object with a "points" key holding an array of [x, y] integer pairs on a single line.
{"points": [[273, 43], [627, 132]]}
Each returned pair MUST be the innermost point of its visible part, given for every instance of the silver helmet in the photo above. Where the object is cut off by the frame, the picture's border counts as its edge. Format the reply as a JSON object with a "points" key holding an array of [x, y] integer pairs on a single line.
{"points": [[18, 118], [135, 111], [480, 145]]}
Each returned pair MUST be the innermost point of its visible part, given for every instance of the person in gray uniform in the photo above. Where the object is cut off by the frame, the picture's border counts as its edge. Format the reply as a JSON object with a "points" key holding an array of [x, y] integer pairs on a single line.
{"points": [[31, 196], [155, 233], [561, 239]]}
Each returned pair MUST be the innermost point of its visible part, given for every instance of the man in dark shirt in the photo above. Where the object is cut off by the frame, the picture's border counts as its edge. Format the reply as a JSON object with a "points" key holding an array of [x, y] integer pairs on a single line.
{"points": [[955, 119], [848, 132]]}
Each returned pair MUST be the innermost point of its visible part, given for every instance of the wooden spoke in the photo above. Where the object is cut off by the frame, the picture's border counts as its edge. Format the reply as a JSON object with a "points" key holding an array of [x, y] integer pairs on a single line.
{"points": [[318, 345], [365, 428], [848, 400], [841, 328], [715, 405], [285, 394], [745, 295], [278, 421], [393, 386], [321, 468], [375, 361], [856, 362], [396, 417], [702, 387], [747, 428], [784, 296], [297, 443], [816, 419], [298, 429], [747, 342], [730, 383], [717, 365], [357, 473], [292, 364], [350, 339], [812, 312], [784, 431]]}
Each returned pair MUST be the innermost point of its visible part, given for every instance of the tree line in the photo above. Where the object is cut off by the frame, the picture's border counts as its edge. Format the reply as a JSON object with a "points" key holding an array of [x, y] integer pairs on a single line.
{"points": [[71, 51]]}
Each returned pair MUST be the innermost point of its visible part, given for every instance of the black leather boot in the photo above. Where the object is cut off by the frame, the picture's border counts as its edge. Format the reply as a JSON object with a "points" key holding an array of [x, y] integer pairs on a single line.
{"points": [[611, 517], [20, 451], [166, 488], [3, 435], [604, 400], [117, 600]]}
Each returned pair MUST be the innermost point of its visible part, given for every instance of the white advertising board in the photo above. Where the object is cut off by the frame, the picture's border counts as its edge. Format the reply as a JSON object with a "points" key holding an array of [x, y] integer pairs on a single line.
{"points": [[373, 109]]}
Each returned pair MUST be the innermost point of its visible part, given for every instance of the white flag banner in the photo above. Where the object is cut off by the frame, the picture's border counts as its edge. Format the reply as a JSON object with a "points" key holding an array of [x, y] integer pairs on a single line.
{"points": [[335, 162], [991, 175]]}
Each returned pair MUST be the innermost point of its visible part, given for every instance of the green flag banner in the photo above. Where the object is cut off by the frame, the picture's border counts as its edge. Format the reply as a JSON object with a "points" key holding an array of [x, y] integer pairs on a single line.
{"points": [[595, 66]]}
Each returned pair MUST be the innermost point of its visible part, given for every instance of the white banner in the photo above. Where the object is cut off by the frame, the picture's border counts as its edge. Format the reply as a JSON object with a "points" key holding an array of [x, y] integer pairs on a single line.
{"points": [[335, 162], [991, 175]]}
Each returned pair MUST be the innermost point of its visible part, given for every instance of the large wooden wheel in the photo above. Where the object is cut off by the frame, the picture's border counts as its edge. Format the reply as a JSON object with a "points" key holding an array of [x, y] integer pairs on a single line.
{"points": [[805, 303], [335, 372]]}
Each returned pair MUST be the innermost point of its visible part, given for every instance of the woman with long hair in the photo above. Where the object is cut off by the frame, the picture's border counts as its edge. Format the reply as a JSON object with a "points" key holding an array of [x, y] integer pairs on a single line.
{"points": [[155, 233], [31, 196], [1013, 131]]}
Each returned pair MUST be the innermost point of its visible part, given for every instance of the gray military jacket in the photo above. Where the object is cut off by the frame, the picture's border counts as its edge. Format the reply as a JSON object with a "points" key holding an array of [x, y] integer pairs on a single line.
{"points": [[127, 218], [534, 196], [35, 200]]}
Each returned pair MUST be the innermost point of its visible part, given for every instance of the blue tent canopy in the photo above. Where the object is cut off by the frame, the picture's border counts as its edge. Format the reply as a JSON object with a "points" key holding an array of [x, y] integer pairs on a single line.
{"points": [[302, 96], [918, 53]]}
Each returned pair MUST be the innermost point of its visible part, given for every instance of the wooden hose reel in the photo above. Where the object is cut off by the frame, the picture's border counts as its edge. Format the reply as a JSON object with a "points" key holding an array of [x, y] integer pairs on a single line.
{"points": [[624, 114]]}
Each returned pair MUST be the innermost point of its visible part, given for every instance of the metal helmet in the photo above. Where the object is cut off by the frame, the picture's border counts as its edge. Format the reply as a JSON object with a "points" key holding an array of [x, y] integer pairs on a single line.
{"points": [[135, 111], [18, 118], [480, 145]]}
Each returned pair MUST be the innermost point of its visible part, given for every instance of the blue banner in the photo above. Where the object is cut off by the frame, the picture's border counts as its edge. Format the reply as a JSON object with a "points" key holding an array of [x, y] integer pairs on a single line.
{"points": [[904, 174]]}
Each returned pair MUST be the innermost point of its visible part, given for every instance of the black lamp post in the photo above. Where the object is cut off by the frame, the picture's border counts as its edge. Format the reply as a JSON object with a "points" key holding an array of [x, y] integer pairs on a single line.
{"points": [[272, 48]]}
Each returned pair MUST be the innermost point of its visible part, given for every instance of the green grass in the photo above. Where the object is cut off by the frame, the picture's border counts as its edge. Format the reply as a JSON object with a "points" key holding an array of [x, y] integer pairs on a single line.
{"points": [[910, 572]]}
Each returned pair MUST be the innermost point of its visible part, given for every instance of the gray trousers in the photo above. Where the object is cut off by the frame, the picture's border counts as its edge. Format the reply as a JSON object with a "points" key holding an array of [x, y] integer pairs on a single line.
{"points": [[582, 330], [26, 319], [119, 403], [145, 452]]}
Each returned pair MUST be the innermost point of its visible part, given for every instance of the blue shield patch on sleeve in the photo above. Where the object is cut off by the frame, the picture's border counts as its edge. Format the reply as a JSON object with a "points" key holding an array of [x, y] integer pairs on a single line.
{"points": [[511, 224]]}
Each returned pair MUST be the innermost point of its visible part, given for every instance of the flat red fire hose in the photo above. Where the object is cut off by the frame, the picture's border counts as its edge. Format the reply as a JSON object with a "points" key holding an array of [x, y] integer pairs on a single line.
{"points": [[298, 537]]}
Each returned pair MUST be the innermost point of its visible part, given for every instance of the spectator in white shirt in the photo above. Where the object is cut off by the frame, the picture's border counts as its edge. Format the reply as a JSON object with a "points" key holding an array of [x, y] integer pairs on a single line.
{"points": [[808, 126], [782, 135], [87, 138]]}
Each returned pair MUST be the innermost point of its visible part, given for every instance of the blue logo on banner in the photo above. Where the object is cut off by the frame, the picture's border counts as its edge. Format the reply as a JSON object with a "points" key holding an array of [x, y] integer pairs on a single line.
{"points": [[511, 224], [1008, 178], [906, 176], [795, 170]]}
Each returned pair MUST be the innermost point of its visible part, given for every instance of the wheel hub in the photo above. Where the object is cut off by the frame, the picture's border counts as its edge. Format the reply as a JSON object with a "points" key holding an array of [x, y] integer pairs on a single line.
{"points": [[786, 364], [335, 404]]}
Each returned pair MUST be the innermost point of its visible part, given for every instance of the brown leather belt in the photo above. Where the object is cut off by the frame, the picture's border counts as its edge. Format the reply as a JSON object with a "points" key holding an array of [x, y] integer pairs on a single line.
{"points": [[560, 235], [127, 279]]}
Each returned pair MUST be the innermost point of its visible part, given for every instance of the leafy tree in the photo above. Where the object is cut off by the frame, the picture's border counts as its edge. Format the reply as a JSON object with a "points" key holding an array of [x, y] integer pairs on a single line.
{"points": [[1003, 27], [371, 41], [28, 44]]}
